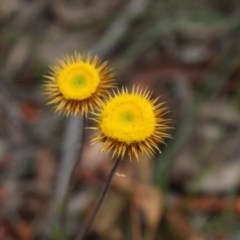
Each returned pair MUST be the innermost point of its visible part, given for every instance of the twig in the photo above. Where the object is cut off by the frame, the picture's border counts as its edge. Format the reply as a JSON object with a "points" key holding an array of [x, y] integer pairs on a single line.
{"points": [[100, 200]]}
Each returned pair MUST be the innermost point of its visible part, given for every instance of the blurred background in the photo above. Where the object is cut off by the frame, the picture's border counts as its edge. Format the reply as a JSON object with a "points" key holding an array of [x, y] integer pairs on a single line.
{"points": [[187, 52]]}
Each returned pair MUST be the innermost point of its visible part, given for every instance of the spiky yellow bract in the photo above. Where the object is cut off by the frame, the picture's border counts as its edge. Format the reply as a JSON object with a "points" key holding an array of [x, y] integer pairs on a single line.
{"points": [[78, 83], [130, 123]]}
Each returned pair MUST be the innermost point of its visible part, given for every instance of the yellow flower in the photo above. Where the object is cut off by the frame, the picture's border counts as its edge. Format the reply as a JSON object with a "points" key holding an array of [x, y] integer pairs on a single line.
{"points": [[131, 123], [76, 84]]}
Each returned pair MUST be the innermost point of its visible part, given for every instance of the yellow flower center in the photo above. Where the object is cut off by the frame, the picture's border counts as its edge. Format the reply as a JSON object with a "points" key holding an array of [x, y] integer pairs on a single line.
{"points": [[78, 81], [128, 118]]}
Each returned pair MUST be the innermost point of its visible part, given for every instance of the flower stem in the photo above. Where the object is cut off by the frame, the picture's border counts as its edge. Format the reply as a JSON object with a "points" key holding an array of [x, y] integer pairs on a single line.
{"points": [[103, 194], [71, 155], [74, 157]]}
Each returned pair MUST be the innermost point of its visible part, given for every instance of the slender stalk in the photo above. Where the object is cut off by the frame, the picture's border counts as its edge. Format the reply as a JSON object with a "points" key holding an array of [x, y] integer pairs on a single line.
{"points": [[66, 188], [103, 194], [64, 213], [71, 155]]}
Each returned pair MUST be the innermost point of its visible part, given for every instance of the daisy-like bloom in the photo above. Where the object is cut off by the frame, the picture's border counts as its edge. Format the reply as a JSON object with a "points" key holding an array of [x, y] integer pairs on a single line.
{"points": [[77, 83], [130, 123]]}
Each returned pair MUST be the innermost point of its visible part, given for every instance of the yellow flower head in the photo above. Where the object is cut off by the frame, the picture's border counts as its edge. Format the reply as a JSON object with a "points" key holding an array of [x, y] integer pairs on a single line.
{"points": [[131, 123], [76, 84]]}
